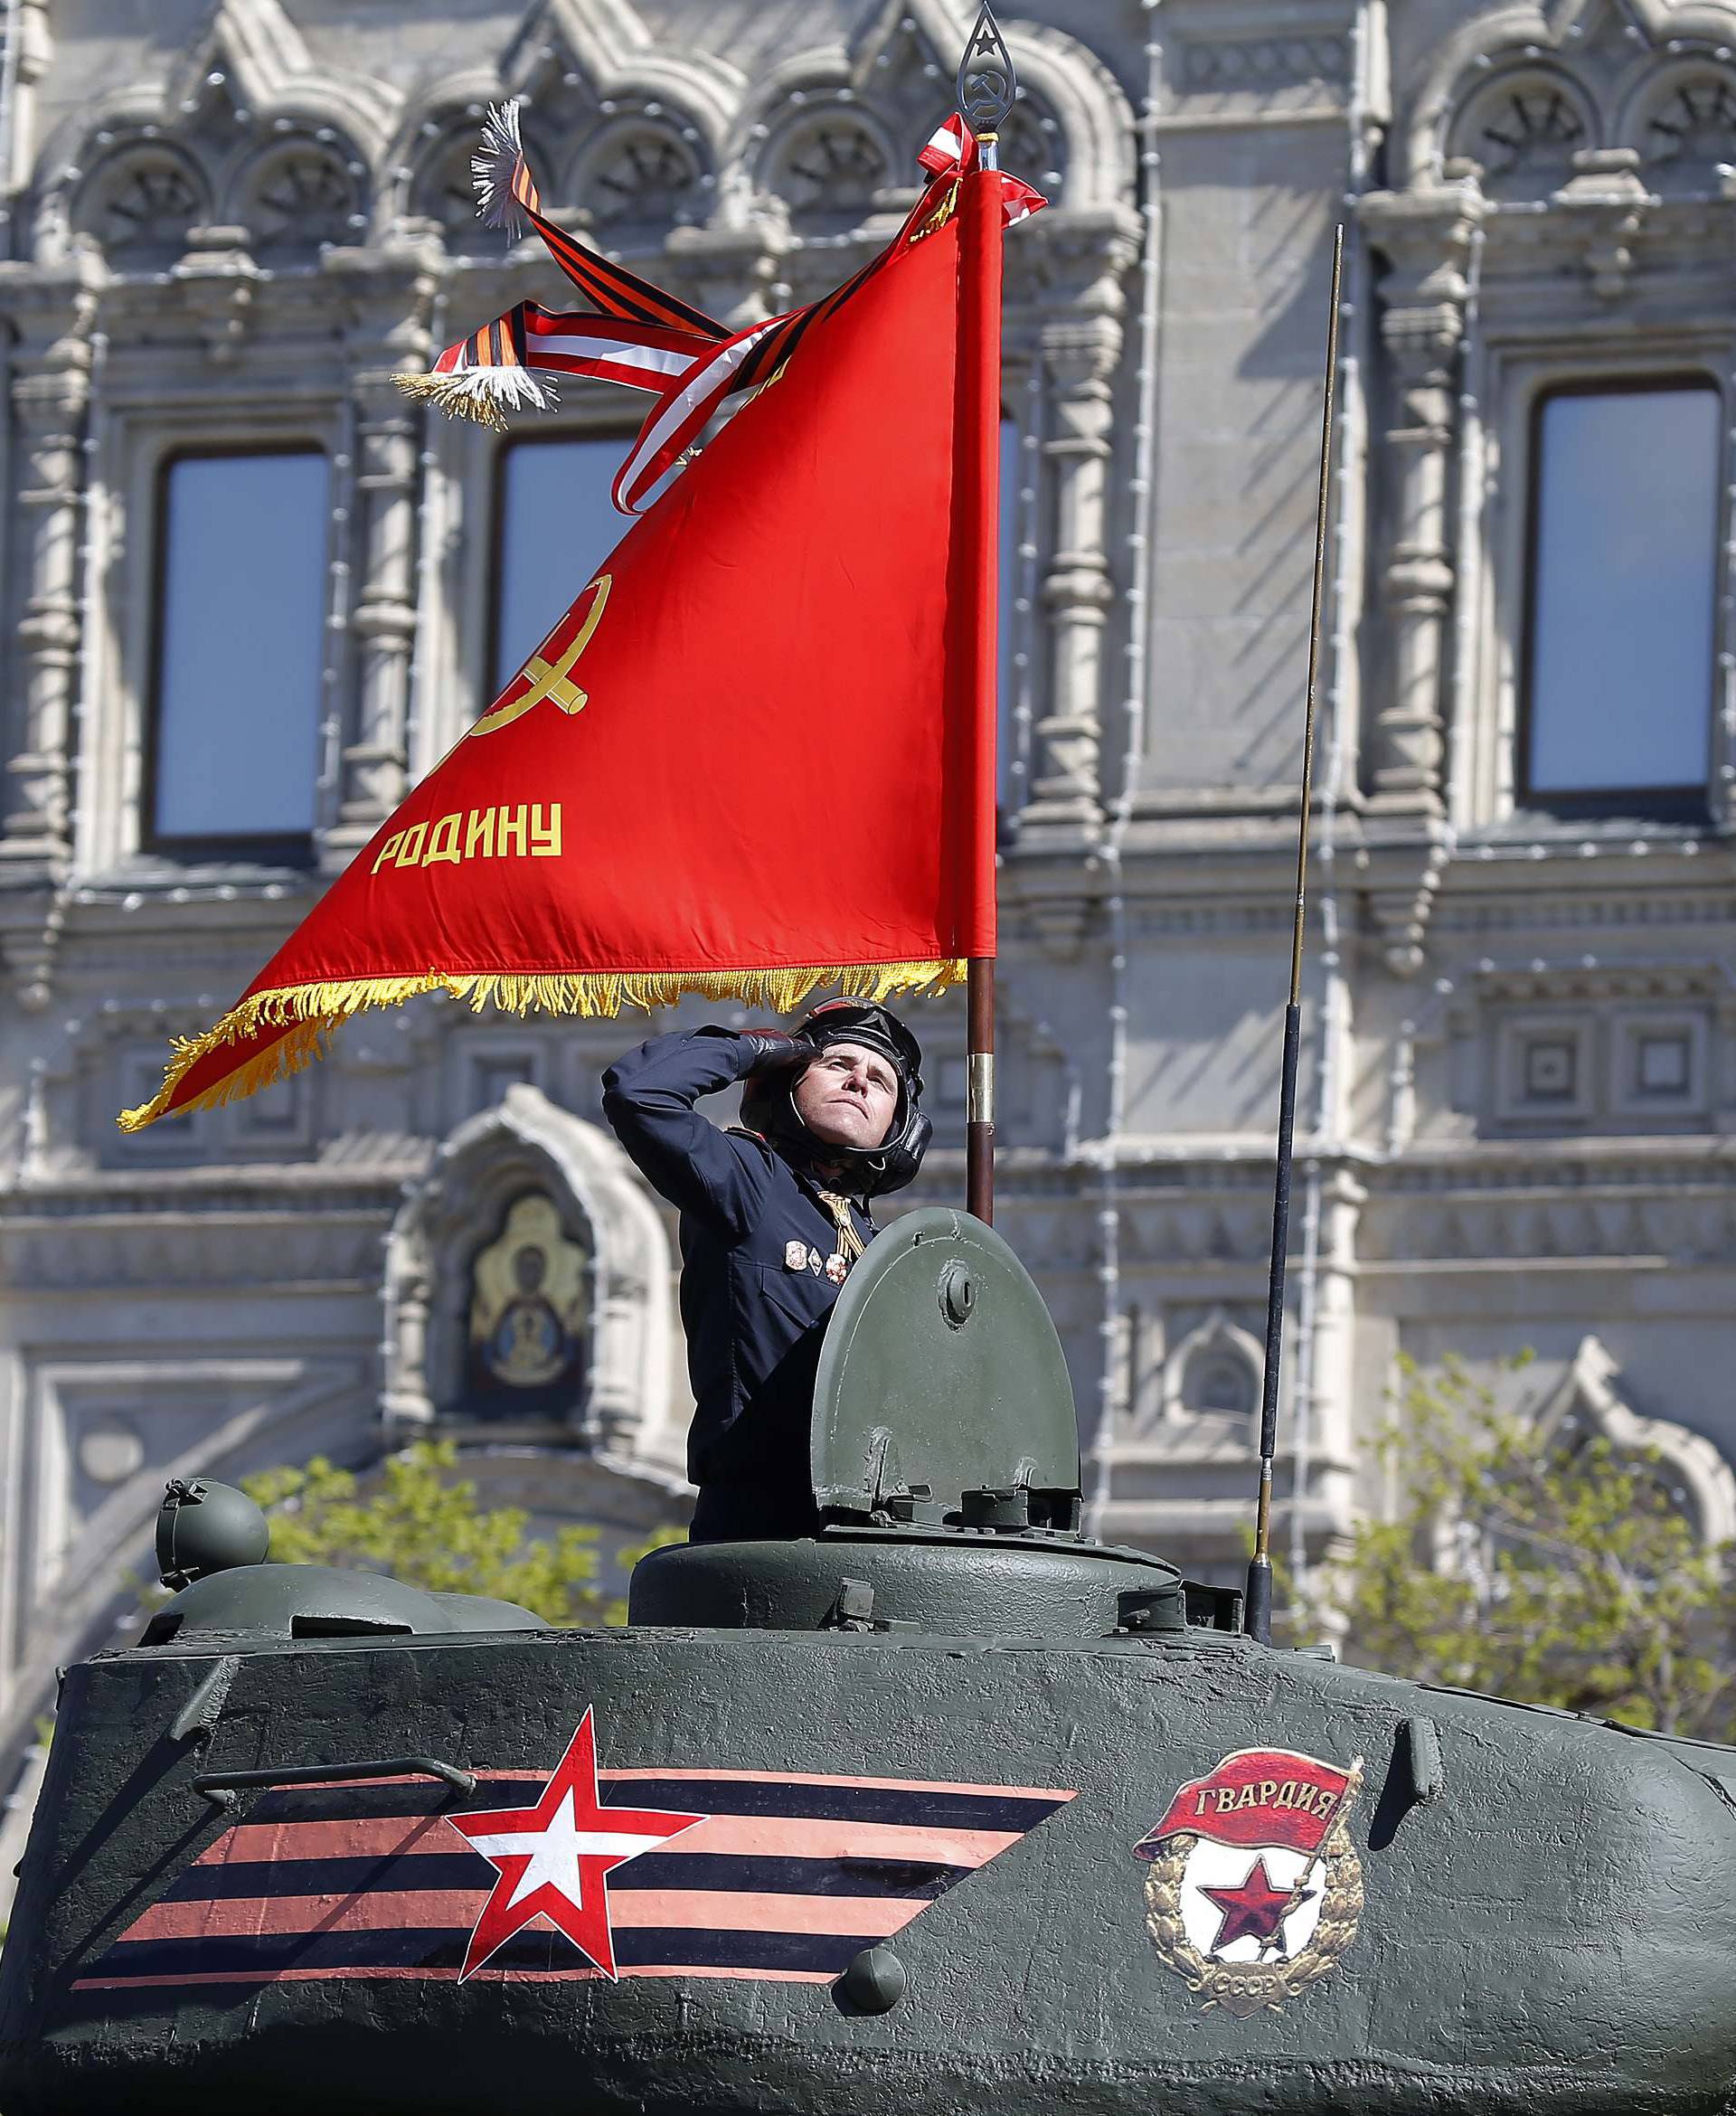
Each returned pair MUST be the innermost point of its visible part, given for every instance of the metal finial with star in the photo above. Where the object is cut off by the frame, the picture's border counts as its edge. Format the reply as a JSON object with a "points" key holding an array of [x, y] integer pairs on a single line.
{"points": [[988, 85]]}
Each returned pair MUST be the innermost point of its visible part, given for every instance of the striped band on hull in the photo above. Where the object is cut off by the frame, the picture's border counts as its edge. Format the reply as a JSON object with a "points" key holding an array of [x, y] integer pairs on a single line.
{"points": [[787, 1877]]}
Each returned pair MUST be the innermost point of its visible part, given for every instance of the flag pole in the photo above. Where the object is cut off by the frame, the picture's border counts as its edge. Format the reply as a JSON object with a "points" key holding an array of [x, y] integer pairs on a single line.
{"points": [[986, 86], [1257, 1621]]}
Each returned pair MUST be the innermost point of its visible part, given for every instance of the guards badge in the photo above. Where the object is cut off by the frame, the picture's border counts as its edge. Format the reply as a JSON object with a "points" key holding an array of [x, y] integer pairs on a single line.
{"points": [[1254, 1889]]}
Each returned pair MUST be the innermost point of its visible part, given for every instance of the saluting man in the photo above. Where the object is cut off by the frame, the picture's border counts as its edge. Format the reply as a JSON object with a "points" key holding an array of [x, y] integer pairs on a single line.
{"points": [[773, 1213]]}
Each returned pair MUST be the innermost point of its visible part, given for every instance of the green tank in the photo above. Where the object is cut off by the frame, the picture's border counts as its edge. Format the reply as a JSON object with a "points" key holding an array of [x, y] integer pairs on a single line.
{"points": [[948, 1809]]}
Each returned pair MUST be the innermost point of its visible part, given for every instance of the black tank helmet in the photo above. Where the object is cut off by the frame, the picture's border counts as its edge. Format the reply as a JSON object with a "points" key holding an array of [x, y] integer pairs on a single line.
{"points": [[767, 1106]]}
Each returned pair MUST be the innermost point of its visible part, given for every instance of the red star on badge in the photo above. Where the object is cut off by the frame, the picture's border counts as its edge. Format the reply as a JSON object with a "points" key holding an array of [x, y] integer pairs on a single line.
{"points": [[553, 1860], [1255, 1910]]}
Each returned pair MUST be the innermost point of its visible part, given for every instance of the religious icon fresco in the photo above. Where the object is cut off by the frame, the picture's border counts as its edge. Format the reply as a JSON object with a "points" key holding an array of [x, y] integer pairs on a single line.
{"points": [[530, 1307]]}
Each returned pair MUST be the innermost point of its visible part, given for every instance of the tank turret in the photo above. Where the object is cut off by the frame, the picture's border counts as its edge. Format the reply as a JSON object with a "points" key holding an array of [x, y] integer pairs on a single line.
{"points": [[947, 1807], [944, 1460], [212, 1543]]}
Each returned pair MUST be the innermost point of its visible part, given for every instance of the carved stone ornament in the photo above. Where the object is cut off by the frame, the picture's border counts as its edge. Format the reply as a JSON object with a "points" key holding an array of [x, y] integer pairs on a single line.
{"points": [[830, 167], [140, 202], [1586, 1401], [643, 171]]}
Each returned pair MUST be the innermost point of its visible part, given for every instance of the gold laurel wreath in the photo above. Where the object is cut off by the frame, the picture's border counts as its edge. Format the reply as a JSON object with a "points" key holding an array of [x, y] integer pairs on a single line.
{"points": [[1243, 1988]]}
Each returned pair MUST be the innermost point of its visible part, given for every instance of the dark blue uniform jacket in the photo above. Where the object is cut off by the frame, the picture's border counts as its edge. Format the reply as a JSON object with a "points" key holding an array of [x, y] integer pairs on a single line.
{"points": [[754, 1317]]}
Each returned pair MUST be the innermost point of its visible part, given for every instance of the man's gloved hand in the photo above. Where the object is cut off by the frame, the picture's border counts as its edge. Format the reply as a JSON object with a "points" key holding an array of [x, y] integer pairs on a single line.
{"points": [[777, 1051]]}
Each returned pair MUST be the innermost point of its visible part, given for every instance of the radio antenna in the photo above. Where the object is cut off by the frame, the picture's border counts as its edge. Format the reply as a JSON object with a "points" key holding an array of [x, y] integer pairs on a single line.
{"points": [[1257, 1616]]}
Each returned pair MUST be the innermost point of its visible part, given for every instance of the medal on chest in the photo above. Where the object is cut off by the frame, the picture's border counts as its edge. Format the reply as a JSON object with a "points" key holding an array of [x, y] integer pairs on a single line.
{"points": [[799, 1257]]}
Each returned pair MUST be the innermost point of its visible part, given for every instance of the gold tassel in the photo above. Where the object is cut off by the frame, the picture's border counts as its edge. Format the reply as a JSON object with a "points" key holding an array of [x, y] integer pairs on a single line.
{"points": [[849, 1242], [311, 1012]]}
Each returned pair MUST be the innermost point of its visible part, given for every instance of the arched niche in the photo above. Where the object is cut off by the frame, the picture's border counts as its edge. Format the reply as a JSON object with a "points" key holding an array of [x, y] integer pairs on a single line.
{"points": [[139, 201], [1522, 127], [527, 1285], [832, 164], [1215, 1371], [1586, 1402], [300, 192], [638, 175], [1680, 119], [429, 173]]}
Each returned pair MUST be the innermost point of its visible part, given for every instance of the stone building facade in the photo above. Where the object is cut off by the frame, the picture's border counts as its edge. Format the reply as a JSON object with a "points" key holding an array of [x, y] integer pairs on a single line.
{"points": [[229, 226]]}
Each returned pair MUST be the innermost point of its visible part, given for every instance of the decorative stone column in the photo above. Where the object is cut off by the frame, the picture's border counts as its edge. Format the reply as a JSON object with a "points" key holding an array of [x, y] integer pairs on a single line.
{"points": [[384, 490], [1427, 239], [1078, 262], [35, 49], [1330, 1497], [404, 1398], [1079, 359], [51, 394], [382, 623]]}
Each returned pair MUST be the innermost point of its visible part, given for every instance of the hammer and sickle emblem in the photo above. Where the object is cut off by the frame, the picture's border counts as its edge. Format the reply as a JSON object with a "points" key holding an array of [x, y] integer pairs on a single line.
{"points": [[548, 673]]}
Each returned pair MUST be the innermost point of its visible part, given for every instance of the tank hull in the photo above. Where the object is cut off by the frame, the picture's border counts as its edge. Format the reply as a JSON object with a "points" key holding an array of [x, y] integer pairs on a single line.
{"points": [[1553, 1931]]}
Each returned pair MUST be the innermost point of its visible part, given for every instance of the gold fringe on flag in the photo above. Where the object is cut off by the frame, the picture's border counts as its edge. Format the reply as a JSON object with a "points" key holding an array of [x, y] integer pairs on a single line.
{"points": [[312, 1011]]}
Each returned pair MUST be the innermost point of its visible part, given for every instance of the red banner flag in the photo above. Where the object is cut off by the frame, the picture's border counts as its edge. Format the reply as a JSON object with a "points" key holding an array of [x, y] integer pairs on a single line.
{"points": [[1264, 1796], [757, 754]]}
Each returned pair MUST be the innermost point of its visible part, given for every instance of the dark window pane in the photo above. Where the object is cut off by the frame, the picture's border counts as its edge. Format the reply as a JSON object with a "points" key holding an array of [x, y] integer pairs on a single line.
{"points": [[1627, 530], [557, 525], [240, 631]]}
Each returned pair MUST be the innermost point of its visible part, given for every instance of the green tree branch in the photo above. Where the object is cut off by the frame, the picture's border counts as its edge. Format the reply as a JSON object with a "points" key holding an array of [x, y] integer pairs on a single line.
{"points": [[1552, 1572], [423, 1526]]}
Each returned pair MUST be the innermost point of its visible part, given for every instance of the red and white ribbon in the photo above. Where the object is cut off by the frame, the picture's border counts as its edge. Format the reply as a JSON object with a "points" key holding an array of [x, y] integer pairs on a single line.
{"points": [[676, 422], [643, 356]]}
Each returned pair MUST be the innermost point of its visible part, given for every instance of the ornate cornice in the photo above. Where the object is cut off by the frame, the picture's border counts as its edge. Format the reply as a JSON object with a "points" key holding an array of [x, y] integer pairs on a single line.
{"points": [[1228, 62], [1592, 70], [93, 1257], [629, 135], [136, 1197]]}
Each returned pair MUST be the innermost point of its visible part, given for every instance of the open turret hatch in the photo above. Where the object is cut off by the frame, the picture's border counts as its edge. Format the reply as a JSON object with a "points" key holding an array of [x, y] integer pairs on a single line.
{"points": [[942, 1397]]}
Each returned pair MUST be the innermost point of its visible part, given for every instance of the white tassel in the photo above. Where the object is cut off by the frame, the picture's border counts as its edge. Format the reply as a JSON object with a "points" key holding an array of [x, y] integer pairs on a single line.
{"points": [[517, 386], [484, 394], [491, 170]]}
